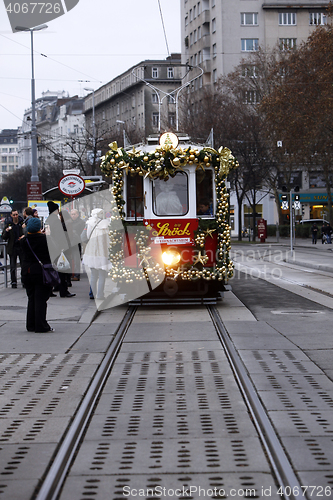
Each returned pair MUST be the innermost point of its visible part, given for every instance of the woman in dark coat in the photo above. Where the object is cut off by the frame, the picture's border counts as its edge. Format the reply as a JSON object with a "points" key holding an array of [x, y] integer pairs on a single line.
{"points": [[32, 278]]}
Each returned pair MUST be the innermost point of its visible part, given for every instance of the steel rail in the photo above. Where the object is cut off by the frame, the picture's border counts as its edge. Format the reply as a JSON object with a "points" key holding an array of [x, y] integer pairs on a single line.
{"points": [[279, 461], [61, 463]]}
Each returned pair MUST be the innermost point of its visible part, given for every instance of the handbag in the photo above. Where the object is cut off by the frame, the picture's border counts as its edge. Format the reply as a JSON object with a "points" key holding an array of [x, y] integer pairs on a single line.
{"points": [[50, 274], [62, 263]]}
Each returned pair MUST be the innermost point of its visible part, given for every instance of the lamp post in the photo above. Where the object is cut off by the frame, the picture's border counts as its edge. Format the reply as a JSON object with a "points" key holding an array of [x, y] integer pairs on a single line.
{"points": [[34, 164], [93, 119]]}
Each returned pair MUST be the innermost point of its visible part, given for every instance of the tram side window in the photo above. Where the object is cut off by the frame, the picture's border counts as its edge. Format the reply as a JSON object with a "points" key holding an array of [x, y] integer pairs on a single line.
{"points": [[204, 193], [134, 196], [171, 197]]}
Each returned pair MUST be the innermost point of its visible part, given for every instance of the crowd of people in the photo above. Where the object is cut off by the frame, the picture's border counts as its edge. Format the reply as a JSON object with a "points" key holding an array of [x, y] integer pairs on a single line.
{"points": [[31, 245]]}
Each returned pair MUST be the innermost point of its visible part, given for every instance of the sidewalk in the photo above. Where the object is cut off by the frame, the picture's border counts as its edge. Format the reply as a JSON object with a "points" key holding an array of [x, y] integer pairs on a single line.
{"points": [[70, 318], [305, 254]]}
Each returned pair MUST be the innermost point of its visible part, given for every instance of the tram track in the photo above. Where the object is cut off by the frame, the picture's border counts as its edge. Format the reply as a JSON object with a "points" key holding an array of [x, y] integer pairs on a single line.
{"points": [[282, 470]]}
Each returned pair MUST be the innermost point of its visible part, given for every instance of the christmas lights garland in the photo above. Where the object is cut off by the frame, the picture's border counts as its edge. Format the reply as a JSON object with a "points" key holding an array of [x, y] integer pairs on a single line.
{"points": [[163, 163]]}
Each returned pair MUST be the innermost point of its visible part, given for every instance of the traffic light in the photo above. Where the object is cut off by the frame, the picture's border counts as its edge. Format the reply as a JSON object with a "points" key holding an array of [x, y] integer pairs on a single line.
{"points": [[284, 204], [303, 210], [11, 201], [297, 203]]}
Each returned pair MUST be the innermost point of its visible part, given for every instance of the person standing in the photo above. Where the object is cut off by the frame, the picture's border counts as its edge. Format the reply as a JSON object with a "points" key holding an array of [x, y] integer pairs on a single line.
{"points": [[96, 255], [78, 226], [314, 232], [58, 240], [32, 277], [12, 233]]}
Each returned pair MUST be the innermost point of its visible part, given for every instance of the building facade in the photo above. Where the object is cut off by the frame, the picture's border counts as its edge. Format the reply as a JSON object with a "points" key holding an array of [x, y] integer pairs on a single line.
{"points": [[140, 101], [217, 34], [8, 152], [60, 130]]}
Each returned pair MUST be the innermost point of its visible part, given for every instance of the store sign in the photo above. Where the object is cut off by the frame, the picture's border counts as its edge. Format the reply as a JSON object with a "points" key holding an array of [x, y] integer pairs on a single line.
{"points": [[172, 232], [71, 185]]}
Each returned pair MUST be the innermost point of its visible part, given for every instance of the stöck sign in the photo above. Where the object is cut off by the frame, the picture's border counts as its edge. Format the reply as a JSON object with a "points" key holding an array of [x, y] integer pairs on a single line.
{"points": [[71, 185]]}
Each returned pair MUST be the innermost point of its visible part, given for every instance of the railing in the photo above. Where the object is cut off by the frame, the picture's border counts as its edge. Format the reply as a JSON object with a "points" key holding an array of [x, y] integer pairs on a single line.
{"points": [[5, 266]]}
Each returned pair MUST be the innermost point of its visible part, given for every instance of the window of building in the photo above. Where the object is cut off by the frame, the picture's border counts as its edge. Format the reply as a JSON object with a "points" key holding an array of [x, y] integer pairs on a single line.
{"points": [[195, 36], [170, 72], [171, 98], [199, 32], [214, 75], [154, 98], [194, 12], [249, 44], [4, 159], [186, 21], [287, 18], [191, 39], [249, 18], [172, 119], [213, 25], [11, 168], [5, 150], [214, 49], [317, 18], [250, 71], [199, 56], [287, 43], [250, 97], [155, 119], [4, 168], [171, 197], [11, 159], [191, 15], [154, 72], [199, 8]]}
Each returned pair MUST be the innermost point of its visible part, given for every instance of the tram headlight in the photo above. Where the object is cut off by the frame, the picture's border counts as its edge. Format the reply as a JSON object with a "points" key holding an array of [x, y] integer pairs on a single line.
{"points": [[171, 257]]}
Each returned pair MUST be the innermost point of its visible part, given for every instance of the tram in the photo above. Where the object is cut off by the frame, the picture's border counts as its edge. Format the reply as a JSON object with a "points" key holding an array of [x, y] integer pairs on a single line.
{"points": [[175, 192]]}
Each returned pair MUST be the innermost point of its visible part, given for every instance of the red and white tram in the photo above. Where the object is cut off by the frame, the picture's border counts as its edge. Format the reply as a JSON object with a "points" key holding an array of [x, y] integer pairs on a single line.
{"points": [[176, 191]]}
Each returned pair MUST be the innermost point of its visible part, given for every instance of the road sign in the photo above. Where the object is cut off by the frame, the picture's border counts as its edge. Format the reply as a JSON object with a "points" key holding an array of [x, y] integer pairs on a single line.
{"points": [[71, 185], [34, 191]]}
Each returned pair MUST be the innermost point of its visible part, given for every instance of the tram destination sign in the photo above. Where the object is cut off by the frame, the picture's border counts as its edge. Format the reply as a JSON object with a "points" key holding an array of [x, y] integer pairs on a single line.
{"points": [[71, 185]]}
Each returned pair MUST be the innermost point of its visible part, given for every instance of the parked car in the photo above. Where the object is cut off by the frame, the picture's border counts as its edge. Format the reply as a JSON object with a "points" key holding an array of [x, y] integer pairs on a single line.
{"points": [[319, 222]]}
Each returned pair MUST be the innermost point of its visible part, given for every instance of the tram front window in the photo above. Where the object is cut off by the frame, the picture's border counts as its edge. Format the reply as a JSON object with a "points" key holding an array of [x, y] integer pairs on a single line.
{"points": [[171, 197], [134, 196], [204, 193]]}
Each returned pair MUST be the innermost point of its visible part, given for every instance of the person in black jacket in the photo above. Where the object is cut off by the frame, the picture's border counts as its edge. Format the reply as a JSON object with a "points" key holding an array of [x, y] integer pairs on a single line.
{"points": [[32, 277], [12, 233]]}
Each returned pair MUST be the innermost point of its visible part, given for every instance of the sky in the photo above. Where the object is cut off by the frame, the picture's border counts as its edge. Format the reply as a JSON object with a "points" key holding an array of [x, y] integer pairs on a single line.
{"points": [[86, 47]]}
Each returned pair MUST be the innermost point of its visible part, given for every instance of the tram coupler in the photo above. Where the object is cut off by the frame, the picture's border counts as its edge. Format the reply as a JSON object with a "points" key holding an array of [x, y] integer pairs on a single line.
{"points": [[170, 287]]}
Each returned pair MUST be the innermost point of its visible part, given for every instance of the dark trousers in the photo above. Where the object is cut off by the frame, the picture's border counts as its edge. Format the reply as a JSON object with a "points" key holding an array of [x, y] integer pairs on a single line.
{"points": [[16, 252], [63, 287], [38, 295]]}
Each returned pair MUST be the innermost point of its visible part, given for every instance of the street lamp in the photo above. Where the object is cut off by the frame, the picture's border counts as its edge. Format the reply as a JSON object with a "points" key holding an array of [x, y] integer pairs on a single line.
{"points": [[34, 164]]}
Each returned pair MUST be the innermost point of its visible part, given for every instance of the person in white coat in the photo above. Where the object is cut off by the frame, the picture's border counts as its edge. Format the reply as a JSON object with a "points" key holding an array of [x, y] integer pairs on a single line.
{"points": [[96, 254]]}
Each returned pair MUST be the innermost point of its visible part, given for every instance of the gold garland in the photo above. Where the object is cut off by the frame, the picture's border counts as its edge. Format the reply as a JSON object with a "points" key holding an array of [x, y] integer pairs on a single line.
{"points": [[163, 163]]}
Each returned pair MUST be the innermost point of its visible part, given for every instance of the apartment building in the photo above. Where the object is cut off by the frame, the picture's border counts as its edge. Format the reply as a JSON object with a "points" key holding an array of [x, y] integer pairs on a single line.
{"points": [[217, 34], [60, 129], [8, 152], [141, 100]]}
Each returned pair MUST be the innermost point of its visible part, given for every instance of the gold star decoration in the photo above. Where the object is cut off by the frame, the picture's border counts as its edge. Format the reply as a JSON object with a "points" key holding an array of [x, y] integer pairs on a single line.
{"points": [[209, 232], [200, 258]]}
